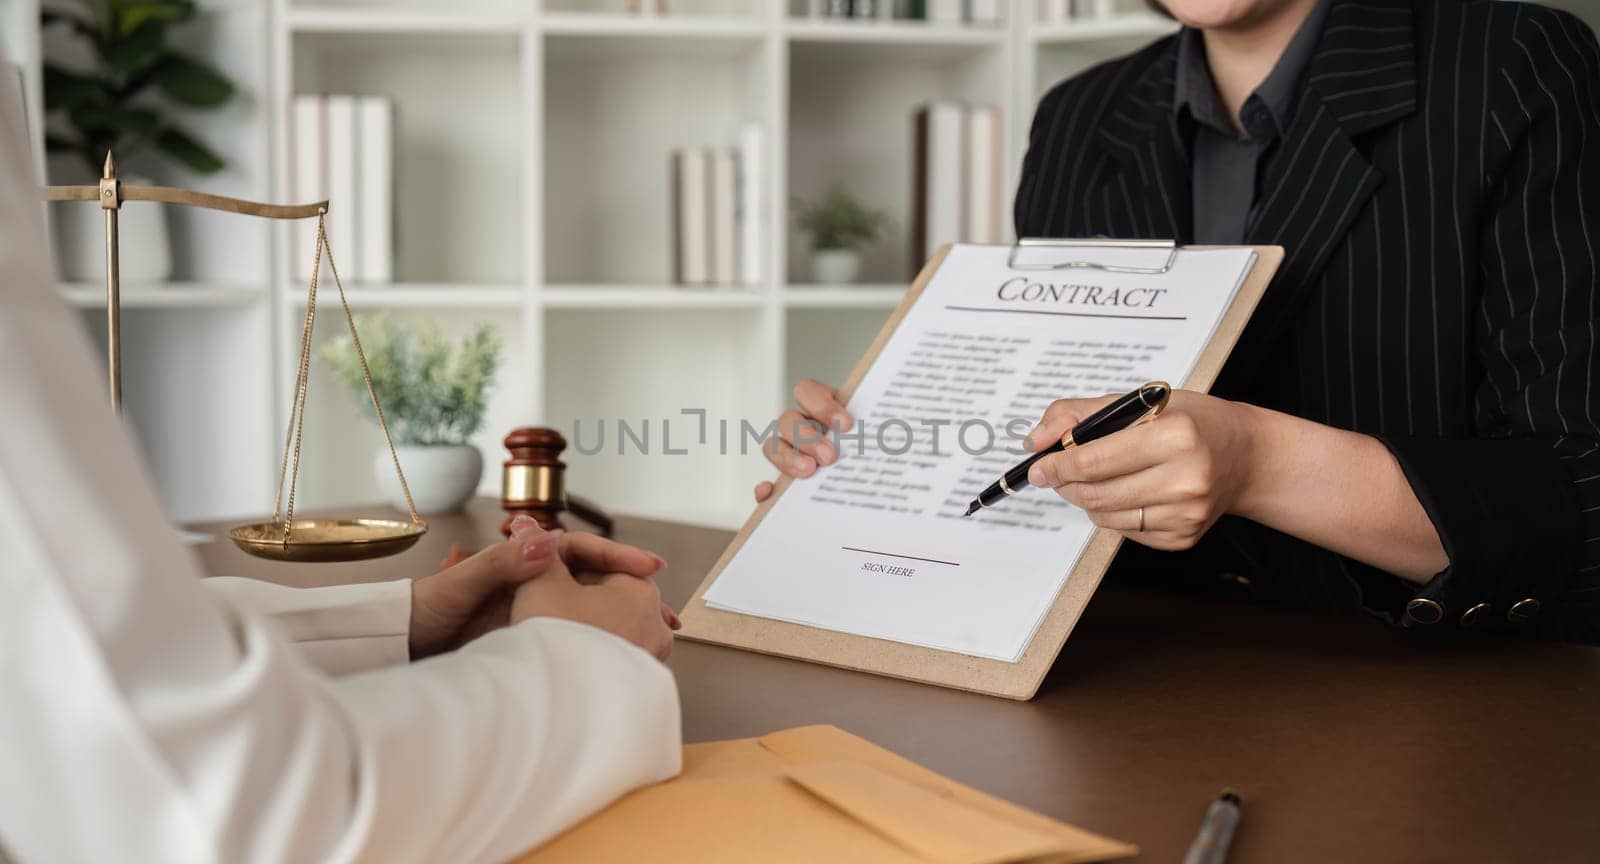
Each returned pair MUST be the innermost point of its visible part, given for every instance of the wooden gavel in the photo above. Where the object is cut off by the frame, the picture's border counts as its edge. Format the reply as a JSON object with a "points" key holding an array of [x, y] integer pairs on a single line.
{"points": [[533, 481]]}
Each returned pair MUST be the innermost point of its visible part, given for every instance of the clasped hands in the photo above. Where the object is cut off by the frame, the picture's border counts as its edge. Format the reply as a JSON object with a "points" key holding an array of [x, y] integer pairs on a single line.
{"points": [[538, 573], [1186, 470]]}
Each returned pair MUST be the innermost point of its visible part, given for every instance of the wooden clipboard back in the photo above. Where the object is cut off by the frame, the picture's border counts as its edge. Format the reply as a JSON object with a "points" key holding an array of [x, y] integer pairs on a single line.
{"points": [[1019, 680]]}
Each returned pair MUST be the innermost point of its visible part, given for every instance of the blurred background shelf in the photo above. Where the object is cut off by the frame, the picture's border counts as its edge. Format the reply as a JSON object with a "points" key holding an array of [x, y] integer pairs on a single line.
{"points": [[650, 297], [614, 109], [843, 296], [850, 115], [408, 296], [532, 141], [373, 19], [1123, 26], [657, 9], [892, 33], [165, 295], [459, 142], [678, 26]]}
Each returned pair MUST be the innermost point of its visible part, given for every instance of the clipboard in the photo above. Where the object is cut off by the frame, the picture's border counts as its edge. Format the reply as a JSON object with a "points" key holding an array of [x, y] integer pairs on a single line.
{"points": [[1019, 680]]}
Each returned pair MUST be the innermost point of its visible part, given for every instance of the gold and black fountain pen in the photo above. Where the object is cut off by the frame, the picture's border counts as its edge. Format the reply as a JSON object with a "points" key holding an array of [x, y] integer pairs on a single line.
{"points": [[1129, 410]]}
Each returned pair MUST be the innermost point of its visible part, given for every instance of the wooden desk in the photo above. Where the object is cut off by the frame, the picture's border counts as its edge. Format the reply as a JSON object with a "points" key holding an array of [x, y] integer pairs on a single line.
{"points": [[1349, 741]]}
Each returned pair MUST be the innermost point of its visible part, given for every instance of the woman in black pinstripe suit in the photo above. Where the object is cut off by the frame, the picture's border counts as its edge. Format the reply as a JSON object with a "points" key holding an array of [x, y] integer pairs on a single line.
{"points": [[1409, 423]]}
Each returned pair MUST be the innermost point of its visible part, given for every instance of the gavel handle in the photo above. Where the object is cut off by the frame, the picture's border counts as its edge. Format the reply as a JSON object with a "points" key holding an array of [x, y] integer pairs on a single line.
{"points": [[590, 514]]}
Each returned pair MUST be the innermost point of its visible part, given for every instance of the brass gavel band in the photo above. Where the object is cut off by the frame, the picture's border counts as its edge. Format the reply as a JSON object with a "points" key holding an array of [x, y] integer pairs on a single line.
{"points": [[538, 483]]}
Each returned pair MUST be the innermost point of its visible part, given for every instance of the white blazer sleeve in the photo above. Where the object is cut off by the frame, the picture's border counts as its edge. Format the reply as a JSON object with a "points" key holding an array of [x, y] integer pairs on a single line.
{"points": [[143, 720], [340, 629]]}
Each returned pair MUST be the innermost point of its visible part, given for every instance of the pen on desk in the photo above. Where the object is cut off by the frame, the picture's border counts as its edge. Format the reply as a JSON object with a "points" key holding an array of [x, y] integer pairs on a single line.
{"points": [[1216, 832], [1128, 410]]}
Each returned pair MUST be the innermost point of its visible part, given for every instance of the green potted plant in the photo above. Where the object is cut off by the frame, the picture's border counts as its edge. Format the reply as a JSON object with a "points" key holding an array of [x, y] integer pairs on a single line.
{"points": [[840, 225], [114, 88], [434, 392]]}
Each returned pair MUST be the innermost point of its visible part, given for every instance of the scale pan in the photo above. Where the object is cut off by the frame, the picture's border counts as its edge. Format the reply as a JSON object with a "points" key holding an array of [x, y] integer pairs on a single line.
{"points": [[328, 539]]}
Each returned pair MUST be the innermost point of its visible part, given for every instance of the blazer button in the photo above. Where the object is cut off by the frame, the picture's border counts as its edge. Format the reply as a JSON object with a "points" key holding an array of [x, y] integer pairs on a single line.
{"points": [[1522, 610], [1424, 611], [1230, 578], [1474, 616]]}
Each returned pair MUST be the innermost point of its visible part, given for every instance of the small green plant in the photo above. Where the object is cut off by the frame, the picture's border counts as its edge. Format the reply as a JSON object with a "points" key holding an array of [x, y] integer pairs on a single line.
{"points": [[111, 106], [433, 390], [841, 221]]}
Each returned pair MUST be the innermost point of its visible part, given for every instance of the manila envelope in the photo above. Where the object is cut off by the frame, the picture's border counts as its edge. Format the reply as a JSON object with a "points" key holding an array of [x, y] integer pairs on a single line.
{"points": [[816, 793]]}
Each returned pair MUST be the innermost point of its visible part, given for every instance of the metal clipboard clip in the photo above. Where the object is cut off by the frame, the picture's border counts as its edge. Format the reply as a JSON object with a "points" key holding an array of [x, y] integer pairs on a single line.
{"points": [[1170, 246]]}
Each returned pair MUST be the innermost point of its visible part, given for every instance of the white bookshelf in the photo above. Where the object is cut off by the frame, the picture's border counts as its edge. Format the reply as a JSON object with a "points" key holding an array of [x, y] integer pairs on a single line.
{"points": [[913, 33], [532, 146], [594, 296], [165, 295], [861, 296]]}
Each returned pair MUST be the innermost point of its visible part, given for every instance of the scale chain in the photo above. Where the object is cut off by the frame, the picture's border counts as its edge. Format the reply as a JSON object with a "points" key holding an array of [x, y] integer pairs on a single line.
{"points": [[377, 407], [297, 415], [294, 437], [302, 379]]}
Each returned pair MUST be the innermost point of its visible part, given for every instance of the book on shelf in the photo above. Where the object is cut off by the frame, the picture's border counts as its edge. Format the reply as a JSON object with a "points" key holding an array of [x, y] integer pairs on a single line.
{"points": [[342, 150], [752, 204], [375, 188], [724, 213], [936, 205], [986, 12], [956, 185], [982, 199], [944, 11], [308, 179], [690, 191], [718, 202], [982, 11], [1058, 11], [343, 202]]}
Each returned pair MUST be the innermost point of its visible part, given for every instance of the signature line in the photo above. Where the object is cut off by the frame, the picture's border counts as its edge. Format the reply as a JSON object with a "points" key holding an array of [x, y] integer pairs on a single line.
{"points": [[909, 557]]}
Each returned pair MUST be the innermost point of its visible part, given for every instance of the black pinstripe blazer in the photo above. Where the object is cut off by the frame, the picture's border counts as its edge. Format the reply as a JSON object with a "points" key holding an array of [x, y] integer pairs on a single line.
{"points": [[1433, 193]]}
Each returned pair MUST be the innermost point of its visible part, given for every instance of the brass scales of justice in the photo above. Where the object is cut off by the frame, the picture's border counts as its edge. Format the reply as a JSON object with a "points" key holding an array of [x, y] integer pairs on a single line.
{"points": [[286, 538]]}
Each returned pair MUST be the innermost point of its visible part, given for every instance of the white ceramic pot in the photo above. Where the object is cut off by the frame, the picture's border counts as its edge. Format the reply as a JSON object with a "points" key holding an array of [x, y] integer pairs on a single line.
{"points": [[443, 477], [835, 266], [144, 248]]}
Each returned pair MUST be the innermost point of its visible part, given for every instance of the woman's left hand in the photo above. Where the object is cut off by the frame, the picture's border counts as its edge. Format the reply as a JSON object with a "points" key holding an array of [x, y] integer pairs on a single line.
{"points": [[1183, 470]]}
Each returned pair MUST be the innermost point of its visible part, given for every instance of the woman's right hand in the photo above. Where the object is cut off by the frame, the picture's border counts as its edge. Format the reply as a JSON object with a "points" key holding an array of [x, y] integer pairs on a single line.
{"points": [[594, 581], [801, 444], [621, 604]]}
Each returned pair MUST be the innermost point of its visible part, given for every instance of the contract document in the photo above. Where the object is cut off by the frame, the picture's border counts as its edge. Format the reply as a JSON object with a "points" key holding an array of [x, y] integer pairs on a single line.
{"points": [[875, 545]]}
